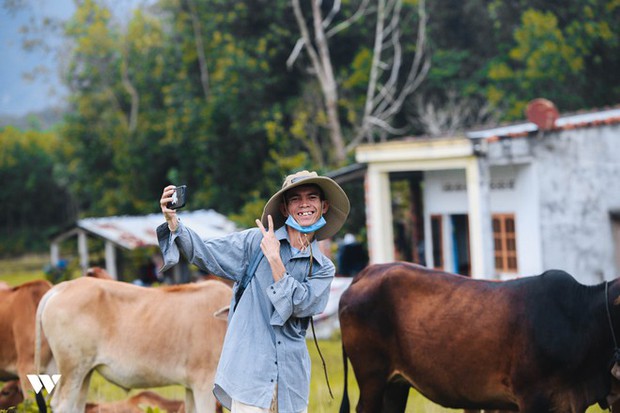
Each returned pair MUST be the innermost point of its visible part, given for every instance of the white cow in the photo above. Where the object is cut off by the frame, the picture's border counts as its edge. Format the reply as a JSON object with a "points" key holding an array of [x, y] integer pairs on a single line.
{"points": [[135, 337]]}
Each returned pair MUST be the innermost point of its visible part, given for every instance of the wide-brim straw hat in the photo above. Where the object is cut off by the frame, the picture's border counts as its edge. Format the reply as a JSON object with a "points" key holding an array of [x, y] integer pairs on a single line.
{"points": [[336, 214]]}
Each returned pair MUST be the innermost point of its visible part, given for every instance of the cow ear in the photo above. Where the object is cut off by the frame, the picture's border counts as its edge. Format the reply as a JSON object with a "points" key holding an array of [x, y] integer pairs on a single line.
{"points": [[222, 313], [615, 371]]}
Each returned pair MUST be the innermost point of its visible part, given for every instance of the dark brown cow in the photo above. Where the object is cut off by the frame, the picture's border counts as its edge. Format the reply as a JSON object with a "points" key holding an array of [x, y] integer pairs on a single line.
{"points": [[10, 395], [535, 344], [18, 306]]}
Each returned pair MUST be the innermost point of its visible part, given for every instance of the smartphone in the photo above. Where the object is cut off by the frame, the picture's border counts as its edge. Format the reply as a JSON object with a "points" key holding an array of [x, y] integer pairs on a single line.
{"points": [[178, 197]]}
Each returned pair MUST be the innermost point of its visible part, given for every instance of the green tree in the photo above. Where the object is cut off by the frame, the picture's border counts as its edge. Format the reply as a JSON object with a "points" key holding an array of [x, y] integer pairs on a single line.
{"points": [[35, 200], [566, 52]]}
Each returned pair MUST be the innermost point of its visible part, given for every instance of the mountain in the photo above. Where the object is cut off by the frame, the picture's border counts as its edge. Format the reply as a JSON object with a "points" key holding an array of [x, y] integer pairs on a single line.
{"points": [[39, 120]]}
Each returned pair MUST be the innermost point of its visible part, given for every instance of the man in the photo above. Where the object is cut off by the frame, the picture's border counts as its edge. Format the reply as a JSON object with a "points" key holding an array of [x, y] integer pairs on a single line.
{"points": [[265, 366]]}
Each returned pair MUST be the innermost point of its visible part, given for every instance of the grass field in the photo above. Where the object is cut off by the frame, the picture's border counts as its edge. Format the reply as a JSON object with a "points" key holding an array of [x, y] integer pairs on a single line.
{"points": [[15, 272], [320, 400]]}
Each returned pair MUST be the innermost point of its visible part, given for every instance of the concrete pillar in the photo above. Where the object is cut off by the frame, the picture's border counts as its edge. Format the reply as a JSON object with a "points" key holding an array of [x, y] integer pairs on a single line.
{"points": [[480, 230], [54, 253], [110, 259], [83, 250], [379, 216]]}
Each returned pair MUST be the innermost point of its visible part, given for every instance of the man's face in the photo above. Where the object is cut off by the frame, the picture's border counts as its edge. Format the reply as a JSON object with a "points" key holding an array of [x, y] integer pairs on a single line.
{"points": [[304, 204]]}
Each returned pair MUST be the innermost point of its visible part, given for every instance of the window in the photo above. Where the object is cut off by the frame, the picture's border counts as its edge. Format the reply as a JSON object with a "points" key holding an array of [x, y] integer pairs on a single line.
{"points": [[436, 230], [505, 243]]}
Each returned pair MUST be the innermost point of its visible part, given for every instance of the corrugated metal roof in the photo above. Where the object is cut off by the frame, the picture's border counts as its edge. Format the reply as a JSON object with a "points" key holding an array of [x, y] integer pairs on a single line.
{"points": [[139, 231], [563, 122]]}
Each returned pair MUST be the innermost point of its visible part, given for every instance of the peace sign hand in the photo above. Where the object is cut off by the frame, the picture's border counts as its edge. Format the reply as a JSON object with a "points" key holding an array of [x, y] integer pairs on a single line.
{"points": [[270, 245]]}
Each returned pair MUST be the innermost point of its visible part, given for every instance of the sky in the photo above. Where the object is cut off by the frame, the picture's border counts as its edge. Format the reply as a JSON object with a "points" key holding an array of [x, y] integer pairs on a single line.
{"points": [[18, 95]]}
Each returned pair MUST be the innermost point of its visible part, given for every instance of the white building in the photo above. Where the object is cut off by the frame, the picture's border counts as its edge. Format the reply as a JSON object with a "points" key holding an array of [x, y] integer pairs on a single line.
{"points": [[508, 201]]}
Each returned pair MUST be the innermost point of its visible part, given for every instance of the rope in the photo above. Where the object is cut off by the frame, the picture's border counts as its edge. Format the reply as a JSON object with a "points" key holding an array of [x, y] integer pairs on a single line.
{"points": [[611, 326], [316, 343], [616, 356]]}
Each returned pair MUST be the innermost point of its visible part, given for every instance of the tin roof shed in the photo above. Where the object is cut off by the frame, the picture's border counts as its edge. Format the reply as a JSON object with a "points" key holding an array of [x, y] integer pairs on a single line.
{"points": [[131, 232]]}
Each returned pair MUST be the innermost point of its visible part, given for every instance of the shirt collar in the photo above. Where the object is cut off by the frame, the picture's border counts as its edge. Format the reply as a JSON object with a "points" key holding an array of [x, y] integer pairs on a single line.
{"points": [[282, 234]]}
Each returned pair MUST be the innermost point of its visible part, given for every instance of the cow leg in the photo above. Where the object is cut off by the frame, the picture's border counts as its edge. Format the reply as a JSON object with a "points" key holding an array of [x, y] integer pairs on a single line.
{"points": [[372, 388], [25, 366], [190, 405], [71, 393], [535, 405], [205, 401], [395, 397]]}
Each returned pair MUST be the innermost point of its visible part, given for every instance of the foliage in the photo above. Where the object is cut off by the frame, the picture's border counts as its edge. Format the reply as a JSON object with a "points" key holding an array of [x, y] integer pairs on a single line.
{"points": [[35, 200], [560, 51], [199, 93]]}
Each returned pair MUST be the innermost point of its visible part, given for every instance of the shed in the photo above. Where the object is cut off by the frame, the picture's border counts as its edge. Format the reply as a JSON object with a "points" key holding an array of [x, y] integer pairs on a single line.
{"points": [[131, 232], [505, 201]]}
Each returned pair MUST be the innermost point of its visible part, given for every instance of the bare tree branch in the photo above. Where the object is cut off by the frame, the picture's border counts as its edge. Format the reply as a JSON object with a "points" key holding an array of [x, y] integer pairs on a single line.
{"points": [[133, 93], [202, 59], [389, 84], [321, 62], [361, 11], [332, 13], [385, 99], [451, 116]]}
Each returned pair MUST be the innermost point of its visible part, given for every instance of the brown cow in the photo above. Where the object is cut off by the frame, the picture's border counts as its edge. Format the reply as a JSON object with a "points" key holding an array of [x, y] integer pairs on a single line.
{"points": [[10, 395], [17, 332], [135, 337], [535, 344], [135, 404], [98, 272]]}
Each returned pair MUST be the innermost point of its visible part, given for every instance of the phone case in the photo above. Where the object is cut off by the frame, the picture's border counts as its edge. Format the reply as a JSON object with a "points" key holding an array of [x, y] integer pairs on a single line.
{"points": [[178, 198]]}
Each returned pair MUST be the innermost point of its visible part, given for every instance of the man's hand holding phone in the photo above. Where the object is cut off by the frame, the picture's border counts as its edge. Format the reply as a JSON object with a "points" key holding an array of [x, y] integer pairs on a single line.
{"points": [[172, 199]]}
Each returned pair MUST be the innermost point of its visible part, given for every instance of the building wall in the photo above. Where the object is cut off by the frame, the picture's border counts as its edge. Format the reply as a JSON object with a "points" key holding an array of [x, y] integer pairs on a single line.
{"points": [[444, 195], [513, 191], [579, 173]]}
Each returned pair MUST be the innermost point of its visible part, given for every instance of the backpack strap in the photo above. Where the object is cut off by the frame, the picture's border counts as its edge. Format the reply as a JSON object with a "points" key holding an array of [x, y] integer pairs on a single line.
{"points": [[247, 277]]}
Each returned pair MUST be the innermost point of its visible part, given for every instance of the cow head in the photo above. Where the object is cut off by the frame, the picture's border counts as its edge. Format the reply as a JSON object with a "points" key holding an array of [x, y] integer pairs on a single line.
{"points": [[10, 395], [98, 272], [615, 371], [613, 398]]}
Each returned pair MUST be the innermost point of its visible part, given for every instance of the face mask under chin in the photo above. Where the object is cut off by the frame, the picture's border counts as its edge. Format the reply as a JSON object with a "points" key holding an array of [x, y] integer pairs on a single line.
{"points": [[320, 223]]}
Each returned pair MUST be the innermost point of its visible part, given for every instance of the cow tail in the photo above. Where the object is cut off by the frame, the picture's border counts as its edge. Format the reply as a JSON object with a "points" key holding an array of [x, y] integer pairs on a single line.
{"points": [[344, 405], [41, 402]]}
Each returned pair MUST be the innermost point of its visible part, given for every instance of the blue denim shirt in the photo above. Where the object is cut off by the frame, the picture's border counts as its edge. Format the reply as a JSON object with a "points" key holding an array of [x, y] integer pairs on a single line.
{"points": [[265, 342]]}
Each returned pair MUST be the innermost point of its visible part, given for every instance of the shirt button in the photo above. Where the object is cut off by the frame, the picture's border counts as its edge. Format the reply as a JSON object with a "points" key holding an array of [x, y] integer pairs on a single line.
{"points": [[276, 362], [272, 380], [279, 342]]}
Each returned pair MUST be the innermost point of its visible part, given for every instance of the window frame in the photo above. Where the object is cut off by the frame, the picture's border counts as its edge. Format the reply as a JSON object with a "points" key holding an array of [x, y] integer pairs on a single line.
{"points": [[505, 243]]}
